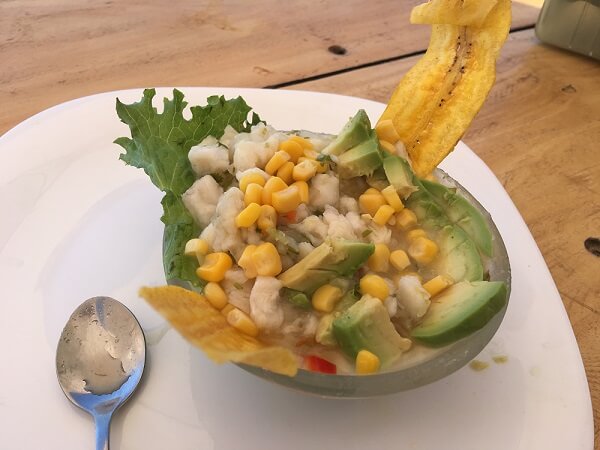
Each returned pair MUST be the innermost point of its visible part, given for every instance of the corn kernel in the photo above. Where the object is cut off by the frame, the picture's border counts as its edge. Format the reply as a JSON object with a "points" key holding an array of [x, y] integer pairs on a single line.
{"points": [[248, 216], [383, 214], [246, 262], [367, 363], [380, 259], [386, 131], [267, 218], [293, 148], [423, 250], [326, 297], [392, 198], [388, 147], [196, 247], [239, 320], [405, 219], [266, 260], [286, 200], [285, 172], [214, 266], [371, 191], [251, 178], [414, 234], [399, 260], [304, 143], [322, 167], [215, 294], [276, 161], [228, 307], [370, 203], [304, 170], [253, 193], [310, 154], [273, 184], [437, 284], [302, 190], [375, 286]]}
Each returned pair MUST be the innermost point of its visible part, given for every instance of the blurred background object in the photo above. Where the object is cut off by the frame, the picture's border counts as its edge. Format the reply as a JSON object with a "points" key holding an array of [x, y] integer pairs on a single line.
{"points": [[536, 3], [571, 24]]}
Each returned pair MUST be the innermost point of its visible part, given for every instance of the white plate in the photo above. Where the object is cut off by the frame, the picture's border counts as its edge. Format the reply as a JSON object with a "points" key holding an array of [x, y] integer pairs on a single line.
{"points": [[76, 223]]}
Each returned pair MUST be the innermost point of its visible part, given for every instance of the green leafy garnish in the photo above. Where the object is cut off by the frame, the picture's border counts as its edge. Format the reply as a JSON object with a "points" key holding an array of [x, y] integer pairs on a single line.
{"points": [[159, 144], [367, 232]]}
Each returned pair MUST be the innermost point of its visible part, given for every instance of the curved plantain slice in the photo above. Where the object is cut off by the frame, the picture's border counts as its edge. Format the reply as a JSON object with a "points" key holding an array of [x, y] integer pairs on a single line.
{"points": [[452, 12], [206, 328], [438, 98]]}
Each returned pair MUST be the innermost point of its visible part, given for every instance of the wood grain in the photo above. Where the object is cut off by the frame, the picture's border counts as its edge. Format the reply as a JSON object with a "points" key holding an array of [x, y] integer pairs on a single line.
{"points": [[539, 131], [52, 51]]}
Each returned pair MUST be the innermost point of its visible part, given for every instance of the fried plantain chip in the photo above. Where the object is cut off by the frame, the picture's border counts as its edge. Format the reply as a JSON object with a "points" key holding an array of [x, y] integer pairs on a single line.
{"points": [[206, 328], [437, 99], [452, 12]]}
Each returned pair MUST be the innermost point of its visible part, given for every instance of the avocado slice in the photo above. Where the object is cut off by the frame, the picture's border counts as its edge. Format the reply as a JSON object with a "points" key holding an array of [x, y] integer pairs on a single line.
{"points": [[363, 159], [324, 334], [331, 259], [458, 257], [348, 299], [357, 130], [347, 256], [460, 310], [428, 212], [462, 213], [399, 174], [366, 325]]}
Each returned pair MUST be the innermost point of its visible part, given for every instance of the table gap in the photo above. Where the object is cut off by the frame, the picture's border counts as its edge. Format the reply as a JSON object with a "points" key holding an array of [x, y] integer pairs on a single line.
{"points": [[333, 73]]}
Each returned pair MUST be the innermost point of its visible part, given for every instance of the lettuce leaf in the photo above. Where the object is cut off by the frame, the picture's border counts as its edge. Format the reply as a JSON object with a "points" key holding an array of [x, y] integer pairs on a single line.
{"points": [[159, 145]]}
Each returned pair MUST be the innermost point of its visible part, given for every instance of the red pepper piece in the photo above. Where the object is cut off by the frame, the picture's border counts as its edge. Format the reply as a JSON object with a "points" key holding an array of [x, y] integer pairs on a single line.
{"points": [[291, 217], [317, 364]]}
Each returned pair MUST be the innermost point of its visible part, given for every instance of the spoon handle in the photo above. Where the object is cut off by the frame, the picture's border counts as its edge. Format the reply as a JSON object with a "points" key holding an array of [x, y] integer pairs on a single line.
{"points": [[102, 427]]}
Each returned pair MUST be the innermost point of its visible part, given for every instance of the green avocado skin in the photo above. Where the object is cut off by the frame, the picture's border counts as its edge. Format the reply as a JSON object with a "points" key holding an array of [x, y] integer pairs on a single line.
{"points": [[459, 311], [463, 214]]}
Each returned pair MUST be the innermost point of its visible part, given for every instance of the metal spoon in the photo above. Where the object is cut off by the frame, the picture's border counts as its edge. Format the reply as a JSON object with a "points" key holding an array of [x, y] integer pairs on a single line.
{"points": [[100, 359]]}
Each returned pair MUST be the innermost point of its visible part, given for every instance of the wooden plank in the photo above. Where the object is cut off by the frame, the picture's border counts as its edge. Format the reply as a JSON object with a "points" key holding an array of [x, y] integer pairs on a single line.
{"points": [[539, 131], [56, 50]]}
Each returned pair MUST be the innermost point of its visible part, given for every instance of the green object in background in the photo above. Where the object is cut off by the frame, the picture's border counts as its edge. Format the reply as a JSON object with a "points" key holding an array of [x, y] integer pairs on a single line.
{"points": [[571, 24]]}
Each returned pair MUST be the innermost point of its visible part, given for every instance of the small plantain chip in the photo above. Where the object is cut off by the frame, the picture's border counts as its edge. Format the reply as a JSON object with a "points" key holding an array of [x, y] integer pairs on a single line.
{"points": [[438, 98], [206, 328]]}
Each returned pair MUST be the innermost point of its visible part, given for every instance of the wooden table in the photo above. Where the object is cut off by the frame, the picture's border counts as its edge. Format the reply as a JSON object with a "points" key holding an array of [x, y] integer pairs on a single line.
{"points": [[539, 130]]}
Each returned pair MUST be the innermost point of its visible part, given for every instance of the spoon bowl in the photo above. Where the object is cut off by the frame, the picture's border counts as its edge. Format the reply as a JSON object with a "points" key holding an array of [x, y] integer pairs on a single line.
{"points": [[100, 359]]}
